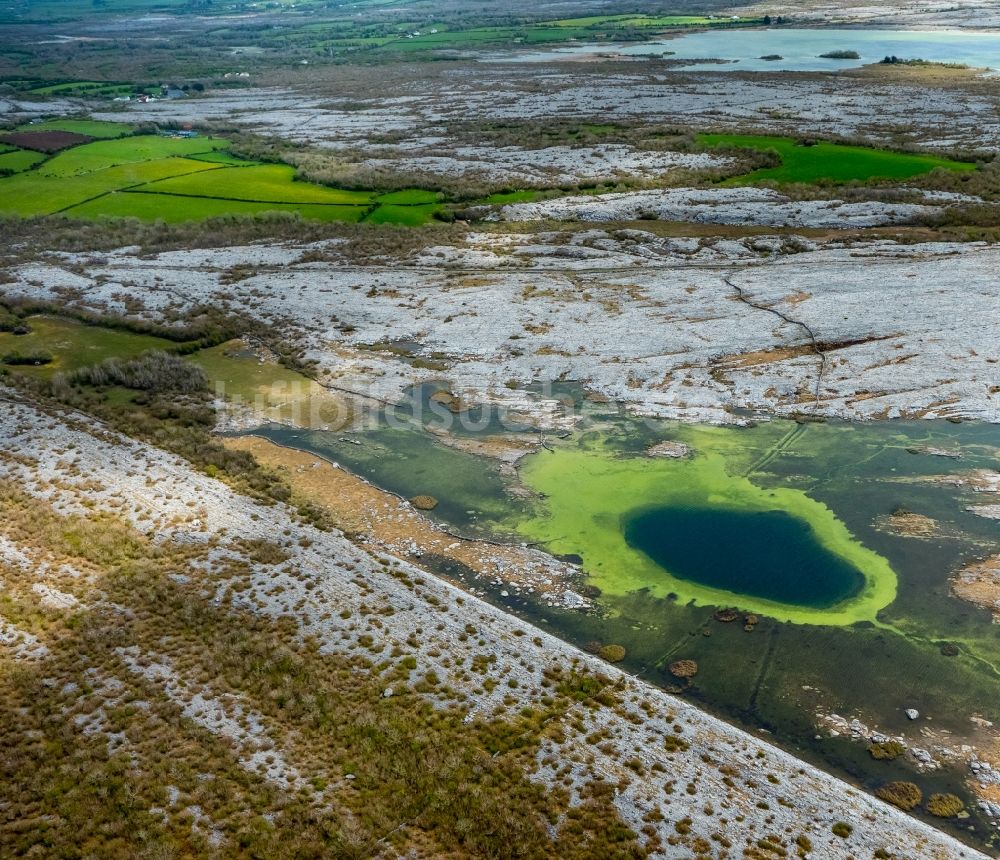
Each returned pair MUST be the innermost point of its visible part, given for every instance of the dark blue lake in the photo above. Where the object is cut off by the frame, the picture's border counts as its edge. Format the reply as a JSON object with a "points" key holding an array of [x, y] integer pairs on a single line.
{"points": [[768, 554]]}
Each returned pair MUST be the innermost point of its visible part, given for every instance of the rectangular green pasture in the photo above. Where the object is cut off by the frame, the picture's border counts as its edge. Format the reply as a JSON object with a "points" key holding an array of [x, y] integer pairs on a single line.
{"points": [[620, 21], [89, 88], [172, 209], [503, 197], [102, 154], [222, 156], [51, 89], [552, 31], [20, 159], [408, 216], [266, 183], [89, 127], [408, 197], [830, 162], [33, 193]]}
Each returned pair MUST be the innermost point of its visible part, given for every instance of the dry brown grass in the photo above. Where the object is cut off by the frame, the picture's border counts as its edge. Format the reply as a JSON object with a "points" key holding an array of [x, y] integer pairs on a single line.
{"points": [[361, 509], [104, 763]]}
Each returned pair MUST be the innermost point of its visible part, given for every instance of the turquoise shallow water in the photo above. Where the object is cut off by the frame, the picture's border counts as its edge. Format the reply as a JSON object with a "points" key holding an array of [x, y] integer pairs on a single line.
{"points": [[767, 554], [800, 48]]}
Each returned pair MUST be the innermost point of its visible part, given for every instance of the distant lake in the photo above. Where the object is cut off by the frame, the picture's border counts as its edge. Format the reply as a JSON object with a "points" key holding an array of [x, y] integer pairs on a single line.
{"points": [[800, 49]]}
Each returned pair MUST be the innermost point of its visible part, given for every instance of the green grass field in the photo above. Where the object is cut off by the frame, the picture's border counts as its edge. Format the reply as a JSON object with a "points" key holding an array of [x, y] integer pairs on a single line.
{"points": [[267, 183], [52, 89], [282, 394], [502, 198], [642, 21], [408, 197], [69, 10], [20, 159], [101, 154], [541, 32], [89, 127], [175, 210], [85, 88], [409, 216], [220, 156], [74, 345], [154, 177], [34, 193], [829, 162]]}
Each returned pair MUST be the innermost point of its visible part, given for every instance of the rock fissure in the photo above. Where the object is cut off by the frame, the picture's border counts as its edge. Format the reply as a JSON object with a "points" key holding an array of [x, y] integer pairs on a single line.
{"points": [[743, 296]]}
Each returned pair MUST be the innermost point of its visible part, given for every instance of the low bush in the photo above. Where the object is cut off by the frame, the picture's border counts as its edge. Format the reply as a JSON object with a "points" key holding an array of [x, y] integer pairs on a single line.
{"points": [[944, 805], [153, 371], [886, 750], [36, 357], [905, 795], [684, 668], [612, 653]]}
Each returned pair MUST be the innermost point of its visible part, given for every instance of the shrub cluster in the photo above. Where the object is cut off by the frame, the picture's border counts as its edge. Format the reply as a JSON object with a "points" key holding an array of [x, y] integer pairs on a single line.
{"points": [[905, 795], [32, 357], [153, 371], [886, 750], [944, 805]]}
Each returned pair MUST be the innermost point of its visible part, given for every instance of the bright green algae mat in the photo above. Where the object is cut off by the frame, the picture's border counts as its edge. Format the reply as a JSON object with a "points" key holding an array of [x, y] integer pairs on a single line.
{"points": [[832, 162], [589, 490]]}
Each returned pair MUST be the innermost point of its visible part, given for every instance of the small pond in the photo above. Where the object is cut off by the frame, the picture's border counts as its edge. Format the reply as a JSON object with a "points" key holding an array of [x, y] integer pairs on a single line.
{"points": [[768, 554]]}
